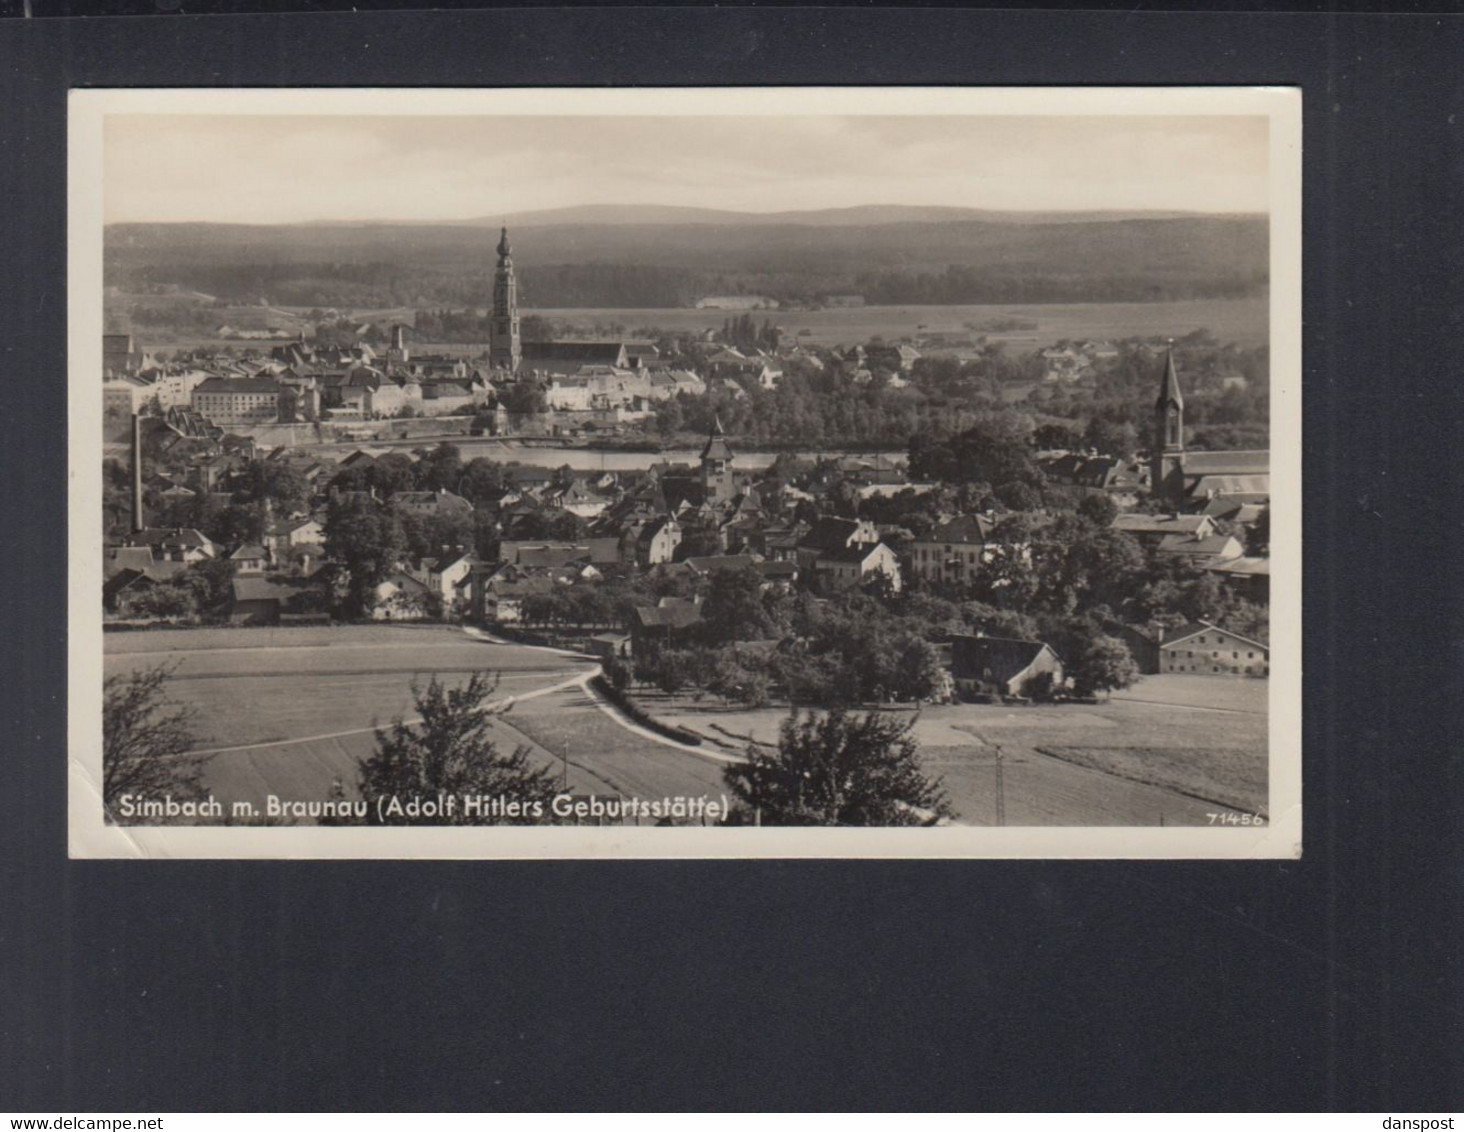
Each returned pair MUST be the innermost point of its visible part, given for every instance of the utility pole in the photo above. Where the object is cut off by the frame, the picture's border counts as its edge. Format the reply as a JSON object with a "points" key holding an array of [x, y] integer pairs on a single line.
{"points": [[138, 520], [1000, 789]]}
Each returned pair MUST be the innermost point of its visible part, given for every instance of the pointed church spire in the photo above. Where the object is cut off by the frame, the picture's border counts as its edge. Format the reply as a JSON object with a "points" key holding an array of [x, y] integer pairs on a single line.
{"points": [[716, 448], [503, 247], [1169, 387], [1166, 458]]}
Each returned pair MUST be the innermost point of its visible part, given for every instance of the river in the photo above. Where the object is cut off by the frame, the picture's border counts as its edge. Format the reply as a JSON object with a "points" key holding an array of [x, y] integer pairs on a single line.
{"points": [[593, 459]]}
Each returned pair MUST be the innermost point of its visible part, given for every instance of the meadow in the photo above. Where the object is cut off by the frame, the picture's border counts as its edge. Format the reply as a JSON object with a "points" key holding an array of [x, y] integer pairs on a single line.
{"points": [[1241, 321], [1173, 749], [289, 711], [610, 757]]}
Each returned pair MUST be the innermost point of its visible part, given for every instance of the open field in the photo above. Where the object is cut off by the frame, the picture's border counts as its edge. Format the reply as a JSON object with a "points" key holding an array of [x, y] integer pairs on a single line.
{"points": [[1242, 321], [1189, 747], [290, 710], [570, 722]]}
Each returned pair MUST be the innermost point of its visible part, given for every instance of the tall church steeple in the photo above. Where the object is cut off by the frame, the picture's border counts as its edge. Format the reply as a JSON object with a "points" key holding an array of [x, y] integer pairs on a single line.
{"points": [[504, 348], [1166, 460]]}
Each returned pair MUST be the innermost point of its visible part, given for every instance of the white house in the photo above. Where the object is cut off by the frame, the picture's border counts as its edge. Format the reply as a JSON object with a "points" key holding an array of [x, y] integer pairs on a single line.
{"points": [[400, 598], [447, 577], [1208, 650], [856, 564]]}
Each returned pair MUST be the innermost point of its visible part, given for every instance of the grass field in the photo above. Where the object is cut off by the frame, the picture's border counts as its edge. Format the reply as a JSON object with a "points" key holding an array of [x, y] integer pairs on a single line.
{"points": [[1242, 321], [621, 761], [1174, 749], [290, 710]]}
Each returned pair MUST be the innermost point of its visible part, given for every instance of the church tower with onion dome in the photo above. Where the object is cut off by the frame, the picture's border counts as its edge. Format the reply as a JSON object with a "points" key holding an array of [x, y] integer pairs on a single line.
{"points": [[504, 348]]}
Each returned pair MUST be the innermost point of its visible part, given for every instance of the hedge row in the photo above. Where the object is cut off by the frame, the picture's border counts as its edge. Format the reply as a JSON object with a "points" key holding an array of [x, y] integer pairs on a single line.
{"points": [[625, 703]]}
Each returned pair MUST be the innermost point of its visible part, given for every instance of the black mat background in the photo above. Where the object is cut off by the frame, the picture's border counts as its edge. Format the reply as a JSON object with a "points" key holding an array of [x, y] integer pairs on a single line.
{"points": [[1332, 983]]}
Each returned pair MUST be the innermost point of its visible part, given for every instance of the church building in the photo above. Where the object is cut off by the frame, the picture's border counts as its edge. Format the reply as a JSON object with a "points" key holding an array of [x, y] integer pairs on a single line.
{"points": [[1183, 478], [508, 353]]}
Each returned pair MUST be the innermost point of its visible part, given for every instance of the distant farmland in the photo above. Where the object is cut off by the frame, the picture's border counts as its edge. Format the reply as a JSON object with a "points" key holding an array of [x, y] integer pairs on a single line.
{"points": [[1244, 322]]}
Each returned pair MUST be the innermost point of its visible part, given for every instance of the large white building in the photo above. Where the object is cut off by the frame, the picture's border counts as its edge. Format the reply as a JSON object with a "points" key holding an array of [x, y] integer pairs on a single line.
{"points": [[1208, 650], [174, 388], [954, 552], [123, 396], [238, 400]]}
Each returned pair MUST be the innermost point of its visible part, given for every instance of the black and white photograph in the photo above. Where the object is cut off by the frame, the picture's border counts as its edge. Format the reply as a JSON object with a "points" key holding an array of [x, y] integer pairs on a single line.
{"points": [[685, 473]]}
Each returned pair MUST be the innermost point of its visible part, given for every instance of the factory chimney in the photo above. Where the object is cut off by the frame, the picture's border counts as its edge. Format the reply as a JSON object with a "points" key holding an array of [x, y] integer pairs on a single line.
{"points": [[137, 517]]}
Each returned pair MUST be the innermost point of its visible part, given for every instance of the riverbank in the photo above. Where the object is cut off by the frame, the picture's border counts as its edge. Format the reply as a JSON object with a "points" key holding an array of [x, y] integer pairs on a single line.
{"points": [[553, 453]]}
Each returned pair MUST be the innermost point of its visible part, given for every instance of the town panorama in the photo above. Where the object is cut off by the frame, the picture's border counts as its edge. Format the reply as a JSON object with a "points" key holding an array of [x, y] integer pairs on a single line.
{"points": [[861, 548]]}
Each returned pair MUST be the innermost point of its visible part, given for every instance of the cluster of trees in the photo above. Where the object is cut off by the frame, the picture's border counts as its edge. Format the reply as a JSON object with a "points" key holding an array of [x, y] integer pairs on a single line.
{"points": [[366, 536], [442, 468], [745, 334], [203, 591], [449, 752], [583, 607], [1219, 413], [1058, 566], [995, 450], [851, 648], [1058, 572], [444, 325], [526, 396], [947, 394], [367, 539], [146, 742], [807, 407], [838, 769], [981, 378], [257, 489]]}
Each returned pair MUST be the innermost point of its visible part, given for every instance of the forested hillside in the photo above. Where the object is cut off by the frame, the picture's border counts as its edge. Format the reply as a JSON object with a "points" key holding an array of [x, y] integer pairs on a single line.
{"points": [[648, 265]]}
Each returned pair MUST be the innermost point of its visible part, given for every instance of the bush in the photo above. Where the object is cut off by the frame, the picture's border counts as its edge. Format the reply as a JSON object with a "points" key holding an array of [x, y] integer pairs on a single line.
{"points": [[1041, 688], [839, 770], [630, 707], [619, 673]]}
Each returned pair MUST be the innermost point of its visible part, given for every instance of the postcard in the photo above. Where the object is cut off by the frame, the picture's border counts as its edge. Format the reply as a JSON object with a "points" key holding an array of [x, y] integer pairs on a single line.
{"points": [[685, 473]]}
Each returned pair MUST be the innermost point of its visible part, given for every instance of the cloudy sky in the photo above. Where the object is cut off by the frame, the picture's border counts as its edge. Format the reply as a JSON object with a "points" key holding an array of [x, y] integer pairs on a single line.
{"points": [[283, 169]]}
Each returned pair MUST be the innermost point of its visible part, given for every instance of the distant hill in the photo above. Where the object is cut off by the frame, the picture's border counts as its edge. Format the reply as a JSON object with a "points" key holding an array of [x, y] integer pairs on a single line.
{"points": [[822, 218], [650, 256]]}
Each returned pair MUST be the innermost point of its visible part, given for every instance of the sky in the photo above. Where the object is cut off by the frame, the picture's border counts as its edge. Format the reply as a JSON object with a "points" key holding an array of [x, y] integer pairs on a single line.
{"points": [[286, 169]]}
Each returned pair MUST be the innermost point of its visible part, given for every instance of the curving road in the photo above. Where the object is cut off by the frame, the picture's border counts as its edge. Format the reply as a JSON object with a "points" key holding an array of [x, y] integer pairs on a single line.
{"points": [[289, 712]]}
